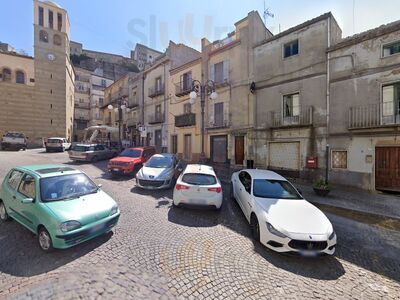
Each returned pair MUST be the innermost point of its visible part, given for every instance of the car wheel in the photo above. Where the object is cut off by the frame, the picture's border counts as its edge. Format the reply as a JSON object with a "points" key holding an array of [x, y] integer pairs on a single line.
{"points": [[3, 212], [44, 240], [94, 159], [63, 149], [255, 228]]}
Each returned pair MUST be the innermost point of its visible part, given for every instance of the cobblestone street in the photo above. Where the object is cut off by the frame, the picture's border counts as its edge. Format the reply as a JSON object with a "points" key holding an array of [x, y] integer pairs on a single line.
{"points": [[160, 251]]}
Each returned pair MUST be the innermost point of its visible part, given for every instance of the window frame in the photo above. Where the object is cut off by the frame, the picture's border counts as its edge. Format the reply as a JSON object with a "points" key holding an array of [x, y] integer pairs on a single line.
{"points": [[291, 43], [283, 105], [19, 181], [389, 44], [9, 79], [20, 185], [41, 16], [247, 189], [57, 40], [45, 34], [347, 159], [16, 77]]}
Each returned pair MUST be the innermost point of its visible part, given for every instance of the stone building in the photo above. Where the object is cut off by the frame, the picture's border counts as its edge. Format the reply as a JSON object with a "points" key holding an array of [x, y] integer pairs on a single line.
{"points": [[364, 113], [37, 95], [143, 55], [230, 118], [291, 96], [184, 118]]}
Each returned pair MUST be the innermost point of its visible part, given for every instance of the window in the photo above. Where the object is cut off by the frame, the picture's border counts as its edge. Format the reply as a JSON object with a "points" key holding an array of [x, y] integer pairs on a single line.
{"points": [[219, 72], [187, 108], [391, 49], [103, 83], [6, 74], [20, 77], [101, 101], [339, 159], [81, 100], [291, 105], [219, 114], [43, 36], [50, 19], [158, 84], [186, 81], [27, 187], [274, 189], [57, 40], [14, 179], [59, 21], [158, 110], [391, 103], [291, 49], [245, 179], [41, 16], [174, 144]]}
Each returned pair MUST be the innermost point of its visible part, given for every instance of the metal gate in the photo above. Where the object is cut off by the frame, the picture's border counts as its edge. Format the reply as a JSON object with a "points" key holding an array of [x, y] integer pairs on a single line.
{"points": [[284, 156]]}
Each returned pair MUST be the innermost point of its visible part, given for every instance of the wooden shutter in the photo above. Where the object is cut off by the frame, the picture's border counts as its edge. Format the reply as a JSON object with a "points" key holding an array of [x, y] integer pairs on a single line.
{"points": [[387, 100], [212, 72], [226, 70]]}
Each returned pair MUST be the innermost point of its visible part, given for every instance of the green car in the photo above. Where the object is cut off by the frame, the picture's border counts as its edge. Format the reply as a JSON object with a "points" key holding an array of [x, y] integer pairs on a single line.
{"points": [[58, 203]]}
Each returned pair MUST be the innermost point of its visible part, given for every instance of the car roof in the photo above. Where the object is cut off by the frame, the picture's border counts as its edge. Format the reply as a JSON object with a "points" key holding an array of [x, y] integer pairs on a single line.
{"points": [[169, 155], [142, 148], [263, 174], [88, 145], [48, 170], [200, 169], [50, 138]]}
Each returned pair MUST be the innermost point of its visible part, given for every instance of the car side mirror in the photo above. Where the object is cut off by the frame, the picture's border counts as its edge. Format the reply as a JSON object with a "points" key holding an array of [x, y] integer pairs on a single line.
{"points": [[99, 186], [27, 200]]}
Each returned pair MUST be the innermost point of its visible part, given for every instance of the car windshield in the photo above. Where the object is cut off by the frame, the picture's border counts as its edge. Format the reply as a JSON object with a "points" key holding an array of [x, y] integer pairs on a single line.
{"points": [[14, 135], [275, 189], [199, 179], [159, 162], [81, 148], [66, 187], [131, 153], [54, 141]]}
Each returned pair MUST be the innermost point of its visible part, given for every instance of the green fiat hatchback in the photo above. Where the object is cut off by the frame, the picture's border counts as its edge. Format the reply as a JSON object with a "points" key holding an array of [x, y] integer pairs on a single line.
{"points": [[61, 205]]}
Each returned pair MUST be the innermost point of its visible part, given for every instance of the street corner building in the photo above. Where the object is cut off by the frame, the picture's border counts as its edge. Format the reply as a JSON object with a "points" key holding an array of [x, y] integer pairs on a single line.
{"points": [[37, 93]]}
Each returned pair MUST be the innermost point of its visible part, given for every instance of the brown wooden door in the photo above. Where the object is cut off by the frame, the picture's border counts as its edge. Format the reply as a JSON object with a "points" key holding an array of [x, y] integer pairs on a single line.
{"points": [[187, 147], [239, 150], [387, 168]]}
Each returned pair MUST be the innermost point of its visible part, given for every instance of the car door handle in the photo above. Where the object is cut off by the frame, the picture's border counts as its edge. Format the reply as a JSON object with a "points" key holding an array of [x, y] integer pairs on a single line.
{"points": [[249, 203]]}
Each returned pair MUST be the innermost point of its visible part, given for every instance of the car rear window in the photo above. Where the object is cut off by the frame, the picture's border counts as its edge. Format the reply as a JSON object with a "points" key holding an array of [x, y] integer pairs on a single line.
{"points": [[14, 135], [79, 148], [54, 141], [199, 179]]}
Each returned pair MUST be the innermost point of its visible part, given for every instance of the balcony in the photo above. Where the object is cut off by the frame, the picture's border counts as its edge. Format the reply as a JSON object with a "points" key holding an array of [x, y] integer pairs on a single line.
{"points": [[156, 91], [304, 117], [183, 88], [156, 118], [82, 105], [185, 120], [373, 116], [219, 123]]}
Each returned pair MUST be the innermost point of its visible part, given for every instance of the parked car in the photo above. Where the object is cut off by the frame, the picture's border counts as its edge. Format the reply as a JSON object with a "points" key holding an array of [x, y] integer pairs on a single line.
{"points": [[13, 141], [280, 218], [59, 204], [158, 172], [91, 153], [130, 160], [198, 186], [57, 144]]}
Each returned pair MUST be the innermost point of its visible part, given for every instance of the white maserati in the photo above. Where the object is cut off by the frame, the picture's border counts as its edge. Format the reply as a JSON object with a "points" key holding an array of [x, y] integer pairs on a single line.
{"points": [[280, 218]]}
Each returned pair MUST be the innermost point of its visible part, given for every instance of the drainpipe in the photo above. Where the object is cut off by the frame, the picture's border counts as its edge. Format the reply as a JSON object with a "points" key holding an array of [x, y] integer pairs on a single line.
{"points": [[327, 104], [142, 117]]}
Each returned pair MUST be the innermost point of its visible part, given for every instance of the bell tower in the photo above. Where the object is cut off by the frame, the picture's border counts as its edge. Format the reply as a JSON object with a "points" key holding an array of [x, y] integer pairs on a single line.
{"points": [[54, 75]]}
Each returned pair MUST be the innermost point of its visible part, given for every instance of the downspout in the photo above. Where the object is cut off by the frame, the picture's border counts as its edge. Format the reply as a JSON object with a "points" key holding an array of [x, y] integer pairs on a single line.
{"points": [[142, 117], [327, 102], [165, 113]]}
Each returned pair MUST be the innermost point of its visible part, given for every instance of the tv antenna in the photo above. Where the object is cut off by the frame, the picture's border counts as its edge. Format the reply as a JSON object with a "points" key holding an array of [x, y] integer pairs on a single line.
{"points": [[267, 14]]}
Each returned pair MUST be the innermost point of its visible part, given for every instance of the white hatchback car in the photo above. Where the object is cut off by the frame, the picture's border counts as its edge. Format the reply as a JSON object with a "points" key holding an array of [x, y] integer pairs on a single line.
{"points": [[280, 218], [198, 186], [57, 144]]}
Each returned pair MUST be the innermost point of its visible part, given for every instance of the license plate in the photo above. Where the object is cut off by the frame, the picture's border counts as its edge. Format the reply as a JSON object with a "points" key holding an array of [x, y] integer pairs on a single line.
{"points": [[97, 228], [309, 253], [115, 170]]}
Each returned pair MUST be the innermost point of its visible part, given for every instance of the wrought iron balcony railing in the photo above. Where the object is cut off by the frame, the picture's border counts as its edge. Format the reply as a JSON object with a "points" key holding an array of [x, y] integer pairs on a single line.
{"points": [[300, 116], [373, 115], [156, 90], [183, 120], [156, 118], [183, 88]]}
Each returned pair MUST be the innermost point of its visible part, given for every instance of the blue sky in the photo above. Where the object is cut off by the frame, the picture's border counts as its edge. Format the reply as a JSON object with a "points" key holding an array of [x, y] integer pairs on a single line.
{"points": [[116, 25]]}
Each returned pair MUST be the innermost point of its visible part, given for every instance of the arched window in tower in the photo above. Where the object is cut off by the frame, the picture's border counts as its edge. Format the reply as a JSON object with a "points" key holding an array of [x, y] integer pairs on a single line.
{"points": [[6, 74], [43, 36], [57, 40], [20, 77]]}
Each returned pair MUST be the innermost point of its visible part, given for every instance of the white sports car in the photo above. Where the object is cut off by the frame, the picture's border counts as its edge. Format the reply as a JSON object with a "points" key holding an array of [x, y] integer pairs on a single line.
{"points": [[280, 218]]}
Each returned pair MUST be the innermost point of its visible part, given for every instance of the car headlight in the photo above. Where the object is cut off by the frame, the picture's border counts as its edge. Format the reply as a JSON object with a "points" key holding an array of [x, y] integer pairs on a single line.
{"points": [[114, 210], [69, 226], [274, 231], [333, 234]]}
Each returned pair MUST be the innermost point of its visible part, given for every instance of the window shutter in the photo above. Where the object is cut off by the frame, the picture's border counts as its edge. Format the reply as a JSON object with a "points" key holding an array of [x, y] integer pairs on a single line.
{"points": [[226, 70], [212, 72], [296, 104], [387, 100]]}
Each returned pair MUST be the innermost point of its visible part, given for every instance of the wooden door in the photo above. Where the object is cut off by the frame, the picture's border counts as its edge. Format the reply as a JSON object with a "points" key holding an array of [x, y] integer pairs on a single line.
{"points": [[219, 144], [239, 150], [387, 168], [187, 147]]}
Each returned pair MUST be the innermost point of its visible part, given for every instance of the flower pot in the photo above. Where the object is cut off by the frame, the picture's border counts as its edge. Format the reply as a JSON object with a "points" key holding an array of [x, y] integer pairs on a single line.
{"points": [[321, 192]]}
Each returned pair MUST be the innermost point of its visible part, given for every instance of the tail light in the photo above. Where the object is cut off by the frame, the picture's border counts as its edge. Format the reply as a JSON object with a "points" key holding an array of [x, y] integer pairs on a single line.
{"points": [[215, 189], [181, 187]]}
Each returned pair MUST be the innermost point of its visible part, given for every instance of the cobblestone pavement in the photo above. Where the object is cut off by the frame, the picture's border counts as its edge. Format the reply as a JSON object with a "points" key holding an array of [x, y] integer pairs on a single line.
{"points": [[157, 251]]}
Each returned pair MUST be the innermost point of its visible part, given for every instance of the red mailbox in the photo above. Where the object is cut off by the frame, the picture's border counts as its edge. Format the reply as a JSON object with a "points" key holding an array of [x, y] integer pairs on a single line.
{"points": [[312, 162]]}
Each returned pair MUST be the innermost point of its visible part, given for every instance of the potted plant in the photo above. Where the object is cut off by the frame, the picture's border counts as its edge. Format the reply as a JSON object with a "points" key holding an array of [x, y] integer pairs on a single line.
{"points": [[321, 188]]}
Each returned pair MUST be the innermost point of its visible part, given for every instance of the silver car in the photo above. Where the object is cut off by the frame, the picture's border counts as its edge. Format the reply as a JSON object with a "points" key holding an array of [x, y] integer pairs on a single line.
{"points": [[159, 172], [91, 153]]}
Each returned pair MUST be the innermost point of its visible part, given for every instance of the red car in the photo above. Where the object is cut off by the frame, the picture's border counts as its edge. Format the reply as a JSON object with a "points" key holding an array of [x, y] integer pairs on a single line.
{"points": [[130, 160]]}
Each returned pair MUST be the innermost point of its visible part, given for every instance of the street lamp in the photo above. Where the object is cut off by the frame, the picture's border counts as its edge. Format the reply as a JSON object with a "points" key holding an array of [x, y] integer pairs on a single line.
{"points": [[122, 104], [203, 89]]}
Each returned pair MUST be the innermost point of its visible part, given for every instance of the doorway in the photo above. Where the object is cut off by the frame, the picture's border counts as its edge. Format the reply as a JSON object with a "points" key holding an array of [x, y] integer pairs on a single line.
{"points": [[187, 147], [219, 146], [239, 150]]}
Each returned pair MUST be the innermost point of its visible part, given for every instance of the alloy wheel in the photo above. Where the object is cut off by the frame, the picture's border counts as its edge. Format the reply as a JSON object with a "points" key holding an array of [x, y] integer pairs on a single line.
{"points": [[255, 229], [3, 212], [44, 240]]}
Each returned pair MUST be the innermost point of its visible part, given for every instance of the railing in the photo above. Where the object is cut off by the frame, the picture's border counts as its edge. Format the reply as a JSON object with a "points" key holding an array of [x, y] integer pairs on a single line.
{"points": [[303, 117], [221, 43], [219, 123], [188, 119], [82, 105], [156, 118], [156, 91], [183, 88], [373, 115]]}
